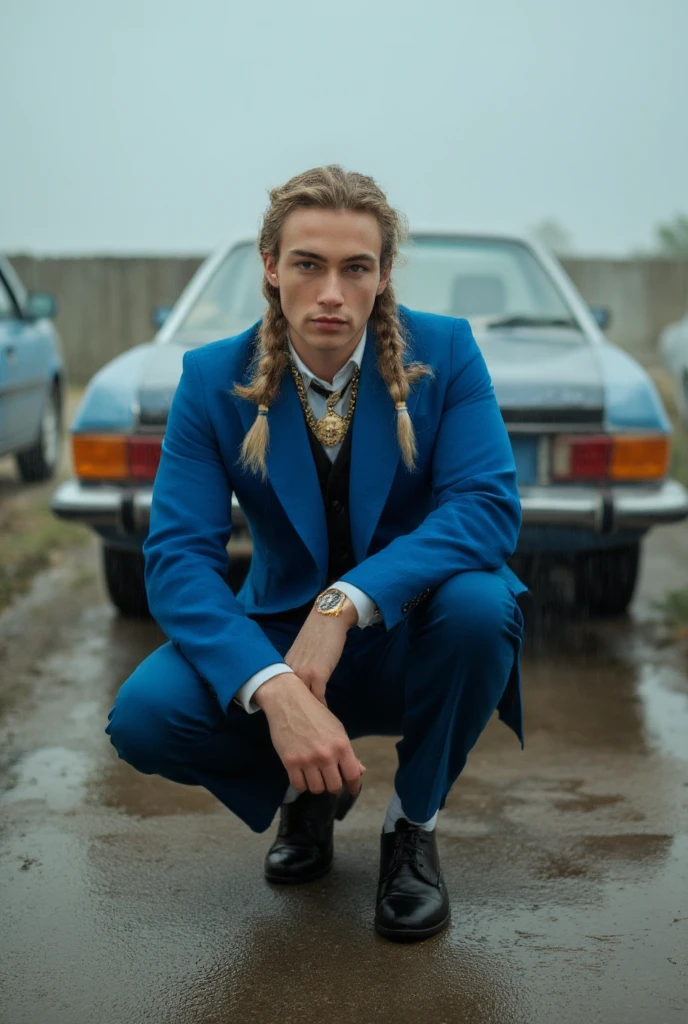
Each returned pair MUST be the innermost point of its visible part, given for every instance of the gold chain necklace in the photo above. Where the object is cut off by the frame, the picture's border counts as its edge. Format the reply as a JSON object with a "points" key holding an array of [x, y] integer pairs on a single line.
{"points": [[331, 428]]}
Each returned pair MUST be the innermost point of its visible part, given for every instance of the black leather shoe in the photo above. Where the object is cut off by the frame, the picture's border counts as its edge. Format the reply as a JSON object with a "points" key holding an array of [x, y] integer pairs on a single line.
{"points": [[412, 899], [303, 848]]}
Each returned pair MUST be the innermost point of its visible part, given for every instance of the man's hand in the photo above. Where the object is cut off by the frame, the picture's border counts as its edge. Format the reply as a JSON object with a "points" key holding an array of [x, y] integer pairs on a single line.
{"points": [[315, 653], [311, 742]]}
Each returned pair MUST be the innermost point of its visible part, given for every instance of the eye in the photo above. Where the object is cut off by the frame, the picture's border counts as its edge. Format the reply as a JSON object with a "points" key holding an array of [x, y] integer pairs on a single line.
{"points": [[358, 267], [305, 264]]}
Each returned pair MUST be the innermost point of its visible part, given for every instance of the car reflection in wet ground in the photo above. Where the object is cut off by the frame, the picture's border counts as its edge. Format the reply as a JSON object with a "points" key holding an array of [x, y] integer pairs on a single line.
{"points": [[130, 899]]}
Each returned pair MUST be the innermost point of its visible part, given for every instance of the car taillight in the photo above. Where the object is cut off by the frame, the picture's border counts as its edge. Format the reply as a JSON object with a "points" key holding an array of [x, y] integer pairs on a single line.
{"points": [[144, 457], [114, 457], [610, 458]]}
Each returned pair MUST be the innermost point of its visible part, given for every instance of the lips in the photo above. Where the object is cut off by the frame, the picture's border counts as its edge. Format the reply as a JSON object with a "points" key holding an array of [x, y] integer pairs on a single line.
{"points": [[328, 320]]}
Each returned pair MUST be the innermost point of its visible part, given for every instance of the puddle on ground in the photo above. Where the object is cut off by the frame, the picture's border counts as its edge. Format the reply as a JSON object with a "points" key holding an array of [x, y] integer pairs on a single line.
{"points": [[663, 692], [55, 776]]}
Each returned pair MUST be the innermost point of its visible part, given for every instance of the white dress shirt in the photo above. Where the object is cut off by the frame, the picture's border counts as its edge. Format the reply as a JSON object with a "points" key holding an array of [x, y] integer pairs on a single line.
{"points": [[364, 605]]}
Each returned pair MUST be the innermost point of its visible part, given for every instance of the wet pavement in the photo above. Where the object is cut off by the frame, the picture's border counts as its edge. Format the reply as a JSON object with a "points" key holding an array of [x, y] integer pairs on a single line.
{"points": [[128, 899]]}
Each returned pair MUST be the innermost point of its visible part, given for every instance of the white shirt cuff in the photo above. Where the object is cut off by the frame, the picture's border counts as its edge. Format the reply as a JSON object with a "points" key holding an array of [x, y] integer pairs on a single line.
{"points": [[364, 605], [245, 693]]}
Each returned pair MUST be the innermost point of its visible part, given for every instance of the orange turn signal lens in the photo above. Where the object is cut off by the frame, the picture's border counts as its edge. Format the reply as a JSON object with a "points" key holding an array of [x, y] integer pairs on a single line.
{"points": [[100, 457], [640, 458]]}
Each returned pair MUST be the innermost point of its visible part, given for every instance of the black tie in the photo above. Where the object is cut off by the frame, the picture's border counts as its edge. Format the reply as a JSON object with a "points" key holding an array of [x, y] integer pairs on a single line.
{"points": [[326, 392]]}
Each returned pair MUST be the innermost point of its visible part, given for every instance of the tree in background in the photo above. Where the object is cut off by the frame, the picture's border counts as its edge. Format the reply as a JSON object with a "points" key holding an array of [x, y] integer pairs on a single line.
{"points": [[554, 235], [672, 238]]}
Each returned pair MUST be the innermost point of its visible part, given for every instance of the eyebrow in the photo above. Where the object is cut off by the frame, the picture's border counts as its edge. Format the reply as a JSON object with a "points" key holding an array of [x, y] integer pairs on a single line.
{"points": [[363, 257]]}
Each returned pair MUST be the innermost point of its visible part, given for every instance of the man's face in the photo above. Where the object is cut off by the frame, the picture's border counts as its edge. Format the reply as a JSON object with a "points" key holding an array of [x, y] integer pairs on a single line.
{"points": [[328, 274]]}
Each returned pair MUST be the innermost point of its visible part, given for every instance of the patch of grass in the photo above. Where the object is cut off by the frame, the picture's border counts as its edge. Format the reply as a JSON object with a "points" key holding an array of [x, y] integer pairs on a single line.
{"points": [[675, 610], [31, 539]]}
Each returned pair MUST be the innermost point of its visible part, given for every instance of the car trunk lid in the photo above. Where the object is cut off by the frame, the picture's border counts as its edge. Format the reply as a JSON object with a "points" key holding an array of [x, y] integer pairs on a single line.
{"points": [[546, 383]]}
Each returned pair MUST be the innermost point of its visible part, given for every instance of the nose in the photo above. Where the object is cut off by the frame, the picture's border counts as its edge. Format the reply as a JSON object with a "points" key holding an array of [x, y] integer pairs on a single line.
{"points": [[331, 291]]}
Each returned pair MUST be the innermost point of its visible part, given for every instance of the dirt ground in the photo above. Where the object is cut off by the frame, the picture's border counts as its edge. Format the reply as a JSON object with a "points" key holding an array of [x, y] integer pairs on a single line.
{"points": [[128, 899], [31, 538]]}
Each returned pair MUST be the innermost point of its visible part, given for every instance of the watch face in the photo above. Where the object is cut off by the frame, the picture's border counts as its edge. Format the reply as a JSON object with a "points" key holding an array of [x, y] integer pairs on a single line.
{"points": [[330, 600]]}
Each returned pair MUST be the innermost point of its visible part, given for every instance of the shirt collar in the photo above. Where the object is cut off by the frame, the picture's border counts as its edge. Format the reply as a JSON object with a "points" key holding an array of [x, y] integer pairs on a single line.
{"points": [[341, 378]]}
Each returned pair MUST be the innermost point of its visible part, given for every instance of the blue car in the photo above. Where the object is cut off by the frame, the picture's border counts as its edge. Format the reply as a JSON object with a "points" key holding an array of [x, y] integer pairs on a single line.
{"points": [[591, 439], [32, 378]]}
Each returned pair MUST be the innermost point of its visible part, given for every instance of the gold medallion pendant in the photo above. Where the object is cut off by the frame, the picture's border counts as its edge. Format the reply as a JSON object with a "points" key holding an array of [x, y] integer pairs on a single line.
{"points": [[331, 428]]}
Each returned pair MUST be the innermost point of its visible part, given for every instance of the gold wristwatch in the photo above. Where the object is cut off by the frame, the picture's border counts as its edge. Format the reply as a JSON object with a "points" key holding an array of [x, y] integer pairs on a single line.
{"points": [[330, 602]]}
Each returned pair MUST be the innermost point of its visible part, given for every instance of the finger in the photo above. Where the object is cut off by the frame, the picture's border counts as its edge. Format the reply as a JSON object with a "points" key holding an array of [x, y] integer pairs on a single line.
{"points": [[350, 768], [315, 780], [333, 778], [298, 780]]}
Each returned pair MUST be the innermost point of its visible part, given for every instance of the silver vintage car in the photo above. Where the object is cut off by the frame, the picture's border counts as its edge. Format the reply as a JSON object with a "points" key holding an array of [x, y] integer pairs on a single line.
{"points": [[32, 378], [590, 436]]}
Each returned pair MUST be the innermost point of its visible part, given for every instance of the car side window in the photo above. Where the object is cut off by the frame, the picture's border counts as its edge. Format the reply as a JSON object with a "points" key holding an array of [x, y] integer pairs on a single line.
{"points": [[7, 310]]}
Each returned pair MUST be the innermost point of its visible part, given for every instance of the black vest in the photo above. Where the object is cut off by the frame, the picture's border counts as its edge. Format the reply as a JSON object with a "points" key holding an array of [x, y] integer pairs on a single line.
{"points": [[334, 486]]}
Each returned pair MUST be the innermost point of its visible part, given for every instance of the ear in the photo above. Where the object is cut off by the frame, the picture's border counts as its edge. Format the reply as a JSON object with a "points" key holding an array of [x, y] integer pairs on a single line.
{"points": [[270, 265], [384, 278]]}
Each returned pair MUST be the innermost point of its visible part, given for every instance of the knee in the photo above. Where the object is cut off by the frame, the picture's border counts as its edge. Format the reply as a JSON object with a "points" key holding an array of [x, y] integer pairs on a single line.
{"points": [[136, 724], [476, 610], [141, 723]]}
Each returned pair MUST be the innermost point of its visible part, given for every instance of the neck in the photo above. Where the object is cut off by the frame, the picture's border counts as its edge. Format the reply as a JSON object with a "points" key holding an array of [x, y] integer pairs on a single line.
{"points": [[324, 364]]}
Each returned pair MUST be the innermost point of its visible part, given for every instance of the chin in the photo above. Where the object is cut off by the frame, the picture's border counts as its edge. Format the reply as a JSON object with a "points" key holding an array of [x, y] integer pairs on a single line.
{"points": [[328, 342]]}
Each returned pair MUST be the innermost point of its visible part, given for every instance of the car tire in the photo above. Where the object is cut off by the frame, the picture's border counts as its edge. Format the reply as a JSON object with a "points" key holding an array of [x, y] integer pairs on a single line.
{"points": [[124, 579], [40, 462], [605, 581]]}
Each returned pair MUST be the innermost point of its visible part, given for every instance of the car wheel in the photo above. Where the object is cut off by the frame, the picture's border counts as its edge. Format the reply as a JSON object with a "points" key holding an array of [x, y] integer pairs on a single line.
{"points": [[41, 460], [125, 582], [605, 581]]}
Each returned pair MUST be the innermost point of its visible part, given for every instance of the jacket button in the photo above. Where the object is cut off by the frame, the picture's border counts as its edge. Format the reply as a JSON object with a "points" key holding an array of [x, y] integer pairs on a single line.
{"points": [[337, 506]]}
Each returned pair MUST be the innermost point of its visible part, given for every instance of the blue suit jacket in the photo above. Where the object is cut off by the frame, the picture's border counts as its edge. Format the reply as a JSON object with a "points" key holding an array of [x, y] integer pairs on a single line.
{"points": [[458, 511]]}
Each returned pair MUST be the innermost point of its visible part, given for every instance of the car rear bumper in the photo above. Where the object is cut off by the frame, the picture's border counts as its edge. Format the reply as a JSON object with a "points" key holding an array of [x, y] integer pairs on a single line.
{"points": [[605, 511], [108, 507], [127, 511]]}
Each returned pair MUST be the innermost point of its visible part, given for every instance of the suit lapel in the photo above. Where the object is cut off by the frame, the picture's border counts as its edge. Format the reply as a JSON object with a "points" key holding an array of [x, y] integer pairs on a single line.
{"points": [[291, 468], [375, 451]]}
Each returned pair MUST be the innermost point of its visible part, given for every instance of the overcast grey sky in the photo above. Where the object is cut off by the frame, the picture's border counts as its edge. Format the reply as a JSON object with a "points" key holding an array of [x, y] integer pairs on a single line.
{"points": [[158, 125]]}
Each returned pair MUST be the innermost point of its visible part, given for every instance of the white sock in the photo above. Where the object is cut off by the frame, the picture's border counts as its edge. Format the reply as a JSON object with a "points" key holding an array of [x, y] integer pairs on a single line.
{"points": [[291, 795], [396, 811]]}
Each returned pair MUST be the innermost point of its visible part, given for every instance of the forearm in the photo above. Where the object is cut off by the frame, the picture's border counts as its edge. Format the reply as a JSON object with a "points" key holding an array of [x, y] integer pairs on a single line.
{"points": [[186, 550], [197, 611], [472, 533]]}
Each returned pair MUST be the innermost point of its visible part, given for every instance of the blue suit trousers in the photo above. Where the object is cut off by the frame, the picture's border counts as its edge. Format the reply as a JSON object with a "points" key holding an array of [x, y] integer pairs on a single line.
{"points": [[435, 679]]}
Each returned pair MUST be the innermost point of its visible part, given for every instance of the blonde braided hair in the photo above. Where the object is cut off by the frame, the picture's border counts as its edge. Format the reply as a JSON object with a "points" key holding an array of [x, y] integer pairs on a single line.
{"points": [[329, 188]]}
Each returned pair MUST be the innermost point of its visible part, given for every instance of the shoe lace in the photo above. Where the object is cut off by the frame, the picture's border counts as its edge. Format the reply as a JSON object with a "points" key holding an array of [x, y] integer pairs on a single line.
{"points": [[407, 846]]}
